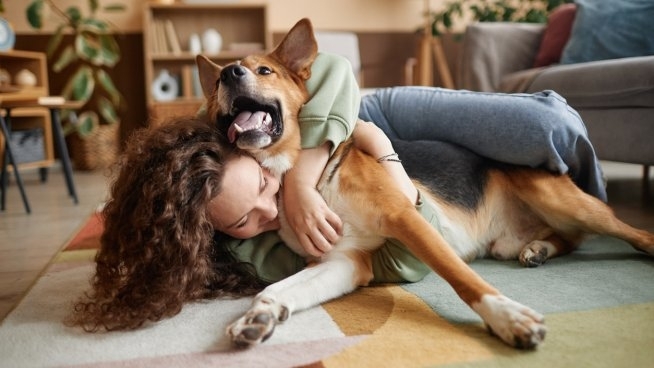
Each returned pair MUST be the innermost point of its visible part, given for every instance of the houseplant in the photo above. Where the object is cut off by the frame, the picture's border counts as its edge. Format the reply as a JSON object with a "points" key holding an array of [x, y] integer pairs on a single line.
{"points": [[530, 11], [84, 48]]}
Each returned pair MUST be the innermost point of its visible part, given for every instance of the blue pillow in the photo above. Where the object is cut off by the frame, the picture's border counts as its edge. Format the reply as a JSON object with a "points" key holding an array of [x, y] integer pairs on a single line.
{"points": [[610, 29]]}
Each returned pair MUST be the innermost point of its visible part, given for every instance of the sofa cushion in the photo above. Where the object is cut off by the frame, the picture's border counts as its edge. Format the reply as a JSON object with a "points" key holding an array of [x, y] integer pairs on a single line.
{"points": [[627, 82], [556, 35], [610, 30]]}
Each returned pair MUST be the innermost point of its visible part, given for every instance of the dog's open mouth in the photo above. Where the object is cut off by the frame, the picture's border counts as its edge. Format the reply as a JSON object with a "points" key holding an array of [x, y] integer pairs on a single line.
{"points": [[253, 124]]}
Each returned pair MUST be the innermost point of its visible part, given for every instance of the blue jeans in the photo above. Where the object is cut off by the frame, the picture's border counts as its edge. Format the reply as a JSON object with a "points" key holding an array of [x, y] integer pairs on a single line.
{"points": [[536, 130]]}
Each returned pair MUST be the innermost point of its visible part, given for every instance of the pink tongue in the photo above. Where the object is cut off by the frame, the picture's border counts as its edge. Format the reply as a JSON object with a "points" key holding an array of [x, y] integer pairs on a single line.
{"points": [[246, 120]]}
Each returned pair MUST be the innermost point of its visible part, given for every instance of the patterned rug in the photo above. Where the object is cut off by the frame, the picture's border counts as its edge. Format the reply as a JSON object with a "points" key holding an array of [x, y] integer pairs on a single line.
{"points": [[598, 302]]}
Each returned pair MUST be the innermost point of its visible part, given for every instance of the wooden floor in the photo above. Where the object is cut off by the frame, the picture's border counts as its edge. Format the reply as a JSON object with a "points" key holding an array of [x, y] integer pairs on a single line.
{"points": [[28, 242]]}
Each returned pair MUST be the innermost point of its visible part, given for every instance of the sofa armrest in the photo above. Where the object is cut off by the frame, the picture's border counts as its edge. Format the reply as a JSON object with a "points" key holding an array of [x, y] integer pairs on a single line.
{"points": [[492, 50]]}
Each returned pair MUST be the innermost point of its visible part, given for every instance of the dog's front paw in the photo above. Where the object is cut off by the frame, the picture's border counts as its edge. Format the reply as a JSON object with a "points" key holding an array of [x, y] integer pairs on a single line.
{"points": [[514, 323], [258, 323], [252, 329]]}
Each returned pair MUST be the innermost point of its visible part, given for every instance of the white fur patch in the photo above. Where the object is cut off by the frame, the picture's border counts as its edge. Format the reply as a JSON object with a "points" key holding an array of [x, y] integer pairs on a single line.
{"points": [[516, 324]]}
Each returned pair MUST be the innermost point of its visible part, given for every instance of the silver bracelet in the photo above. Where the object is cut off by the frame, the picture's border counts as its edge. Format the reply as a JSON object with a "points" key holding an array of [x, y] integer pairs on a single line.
{"points": [[390, 157]]}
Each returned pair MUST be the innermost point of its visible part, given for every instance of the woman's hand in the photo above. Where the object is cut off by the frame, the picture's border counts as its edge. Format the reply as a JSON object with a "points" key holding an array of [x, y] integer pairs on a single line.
{"points": [[316, 226], [372, 140]]}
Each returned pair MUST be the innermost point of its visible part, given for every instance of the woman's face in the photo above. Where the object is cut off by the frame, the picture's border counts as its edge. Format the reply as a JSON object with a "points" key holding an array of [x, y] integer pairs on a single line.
{"points": [[247, 204]]}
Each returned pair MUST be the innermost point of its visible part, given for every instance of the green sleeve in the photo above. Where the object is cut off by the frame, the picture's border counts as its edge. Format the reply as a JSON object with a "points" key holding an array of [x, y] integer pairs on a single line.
{"points": [[333, 107], [393, 262], [269, 255]]}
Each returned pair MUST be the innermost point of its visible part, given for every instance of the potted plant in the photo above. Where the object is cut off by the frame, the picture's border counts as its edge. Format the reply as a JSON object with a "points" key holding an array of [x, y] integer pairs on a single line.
{"points": [[84, 47], [531, 11]]}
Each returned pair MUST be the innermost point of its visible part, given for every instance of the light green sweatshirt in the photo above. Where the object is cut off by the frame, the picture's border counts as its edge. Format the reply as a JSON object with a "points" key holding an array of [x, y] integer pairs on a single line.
{"points": [[330, 116]]}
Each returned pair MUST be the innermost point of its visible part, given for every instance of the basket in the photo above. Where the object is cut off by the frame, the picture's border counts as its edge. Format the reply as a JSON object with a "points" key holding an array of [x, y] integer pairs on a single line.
{"points": [[99, 150]]}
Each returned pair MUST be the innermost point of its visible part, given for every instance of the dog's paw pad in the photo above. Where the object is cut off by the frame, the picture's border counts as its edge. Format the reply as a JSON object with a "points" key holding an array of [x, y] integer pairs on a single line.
{"points": [[533, 255], [252, 329]]}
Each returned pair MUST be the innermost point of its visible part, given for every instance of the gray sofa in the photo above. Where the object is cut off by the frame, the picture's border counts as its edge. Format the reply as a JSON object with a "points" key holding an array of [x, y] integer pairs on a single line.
{"points": [[614, 97]]}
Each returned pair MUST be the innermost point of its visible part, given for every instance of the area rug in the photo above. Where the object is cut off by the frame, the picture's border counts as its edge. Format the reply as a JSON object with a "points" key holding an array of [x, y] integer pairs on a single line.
{"points": [[598, 302]]}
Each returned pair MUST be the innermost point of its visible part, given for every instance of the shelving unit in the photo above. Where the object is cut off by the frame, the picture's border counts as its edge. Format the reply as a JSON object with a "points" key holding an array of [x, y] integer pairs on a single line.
{"points": [[26, 119], [243, 28]]}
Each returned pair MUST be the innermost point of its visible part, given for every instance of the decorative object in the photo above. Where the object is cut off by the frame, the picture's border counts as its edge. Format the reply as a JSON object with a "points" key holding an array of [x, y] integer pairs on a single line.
{"points": [[28, 145], [97, 150], [212, 41], [5, 77], [165, 87], [194, 43], [25, 78], [7, 35], [556, 35], [610, 30]]}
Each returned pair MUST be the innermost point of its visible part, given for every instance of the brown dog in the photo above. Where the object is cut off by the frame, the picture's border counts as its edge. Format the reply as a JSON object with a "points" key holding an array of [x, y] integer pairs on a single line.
{"points": [[521, 213]]}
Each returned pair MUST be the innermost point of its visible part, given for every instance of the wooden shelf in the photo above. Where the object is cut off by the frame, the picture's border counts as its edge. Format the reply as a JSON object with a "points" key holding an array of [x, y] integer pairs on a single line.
{"points": [[243, 29], [23, 118]]}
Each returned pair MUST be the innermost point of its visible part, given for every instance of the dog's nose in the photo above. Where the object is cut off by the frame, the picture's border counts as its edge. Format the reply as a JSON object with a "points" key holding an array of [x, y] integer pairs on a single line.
{"points": [[232, 73]]}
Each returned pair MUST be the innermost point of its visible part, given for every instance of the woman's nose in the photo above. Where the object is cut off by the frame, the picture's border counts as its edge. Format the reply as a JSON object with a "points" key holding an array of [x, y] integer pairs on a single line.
{"points": [[269, 208]]}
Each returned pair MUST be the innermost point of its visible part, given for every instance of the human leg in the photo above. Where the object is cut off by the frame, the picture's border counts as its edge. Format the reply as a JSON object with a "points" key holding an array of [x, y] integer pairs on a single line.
{"points": [[537, 130]]}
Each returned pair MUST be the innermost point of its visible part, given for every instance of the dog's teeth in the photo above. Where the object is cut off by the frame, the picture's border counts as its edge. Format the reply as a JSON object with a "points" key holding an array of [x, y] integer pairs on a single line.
{"points": [[238, 128]]}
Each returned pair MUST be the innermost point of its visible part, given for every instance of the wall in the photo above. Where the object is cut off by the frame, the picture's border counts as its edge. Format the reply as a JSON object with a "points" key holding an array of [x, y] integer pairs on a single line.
{"points": [[355, 15]]}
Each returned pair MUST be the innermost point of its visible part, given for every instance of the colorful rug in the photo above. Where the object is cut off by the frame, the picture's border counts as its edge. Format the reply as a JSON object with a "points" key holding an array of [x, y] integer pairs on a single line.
{"points": [[598, 302]]}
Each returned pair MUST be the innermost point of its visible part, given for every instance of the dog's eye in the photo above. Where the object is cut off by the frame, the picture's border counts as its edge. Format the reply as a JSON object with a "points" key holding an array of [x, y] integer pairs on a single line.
{"points": [[264, 70]]}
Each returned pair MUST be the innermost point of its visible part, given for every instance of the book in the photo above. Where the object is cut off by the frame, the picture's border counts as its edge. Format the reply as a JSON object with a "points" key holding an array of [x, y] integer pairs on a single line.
{"points": [[171, 37]]}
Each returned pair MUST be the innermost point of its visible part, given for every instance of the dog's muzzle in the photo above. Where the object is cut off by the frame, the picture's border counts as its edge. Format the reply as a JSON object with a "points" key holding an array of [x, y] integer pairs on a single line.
{"points": [[253, 121]]}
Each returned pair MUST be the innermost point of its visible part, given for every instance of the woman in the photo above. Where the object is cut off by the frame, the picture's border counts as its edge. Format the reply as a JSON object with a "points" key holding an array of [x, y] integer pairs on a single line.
{"points": [[172, 226], [180, 184]]}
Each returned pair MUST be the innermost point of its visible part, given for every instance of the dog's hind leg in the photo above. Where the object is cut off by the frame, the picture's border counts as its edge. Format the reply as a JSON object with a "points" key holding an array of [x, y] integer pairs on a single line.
{"points": [[571, 212], [337, 276]]}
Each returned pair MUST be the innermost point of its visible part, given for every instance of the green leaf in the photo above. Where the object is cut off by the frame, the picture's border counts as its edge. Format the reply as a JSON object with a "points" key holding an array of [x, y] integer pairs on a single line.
{"points": [[87, 47], [81, 85], [108, 85], [74, 14], [108, 111], [86, 123], [114, 7], [66, 58], [34, 13], [55, 40], [93, 5], [109, 50], [94, 25]]}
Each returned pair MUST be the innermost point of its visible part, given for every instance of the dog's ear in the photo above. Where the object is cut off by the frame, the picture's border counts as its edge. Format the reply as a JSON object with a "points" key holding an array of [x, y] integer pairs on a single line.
{"points": [[209, 74], [298, 49]]}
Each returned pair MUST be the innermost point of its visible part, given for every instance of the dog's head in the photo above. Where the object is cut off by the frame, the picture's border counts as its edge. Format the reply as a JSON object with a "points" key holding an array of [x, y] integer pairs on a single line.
{"points": [[255, 101]]}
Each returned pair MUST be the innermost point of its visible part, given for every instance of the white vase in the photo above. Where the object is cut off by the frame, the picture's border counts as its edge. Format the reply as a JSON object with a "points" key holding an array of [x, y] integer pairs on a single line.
{"points": [[165, 87], [194, 44], [212, 41]]}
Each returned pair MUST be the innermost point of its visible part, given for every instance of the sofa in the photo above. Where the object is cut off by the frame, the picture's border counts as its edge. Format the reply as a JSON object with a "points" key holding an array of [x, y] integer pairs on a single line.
{"points": [[614, 96]]}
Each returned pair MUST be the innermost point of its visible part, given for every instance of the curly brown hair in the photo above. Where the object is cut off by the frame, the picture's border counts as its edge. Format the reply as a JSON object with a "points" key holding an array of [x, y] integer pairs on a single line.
{"points": [[158, 249]]}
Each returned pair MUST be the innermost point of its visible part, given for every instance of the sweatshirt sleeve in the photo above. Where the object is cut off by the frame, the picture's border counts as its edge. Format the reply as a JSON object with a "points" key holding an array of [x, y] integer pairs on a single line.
{"points": [[269, 255], [333, 108]]}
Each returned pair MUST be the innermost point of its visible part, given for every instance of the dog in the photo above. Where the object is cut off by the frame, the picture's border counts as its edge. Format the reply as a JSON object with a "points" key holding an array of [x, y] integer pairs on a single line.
{"points": [[504, 211]]}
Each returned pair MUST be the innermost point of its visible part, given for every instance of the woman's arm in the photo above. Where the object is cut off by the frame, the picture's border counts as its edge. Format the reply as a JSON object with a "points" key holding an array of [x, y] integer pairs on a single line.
{"points": [[326, 120], [372, 140], [316, 226]]}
